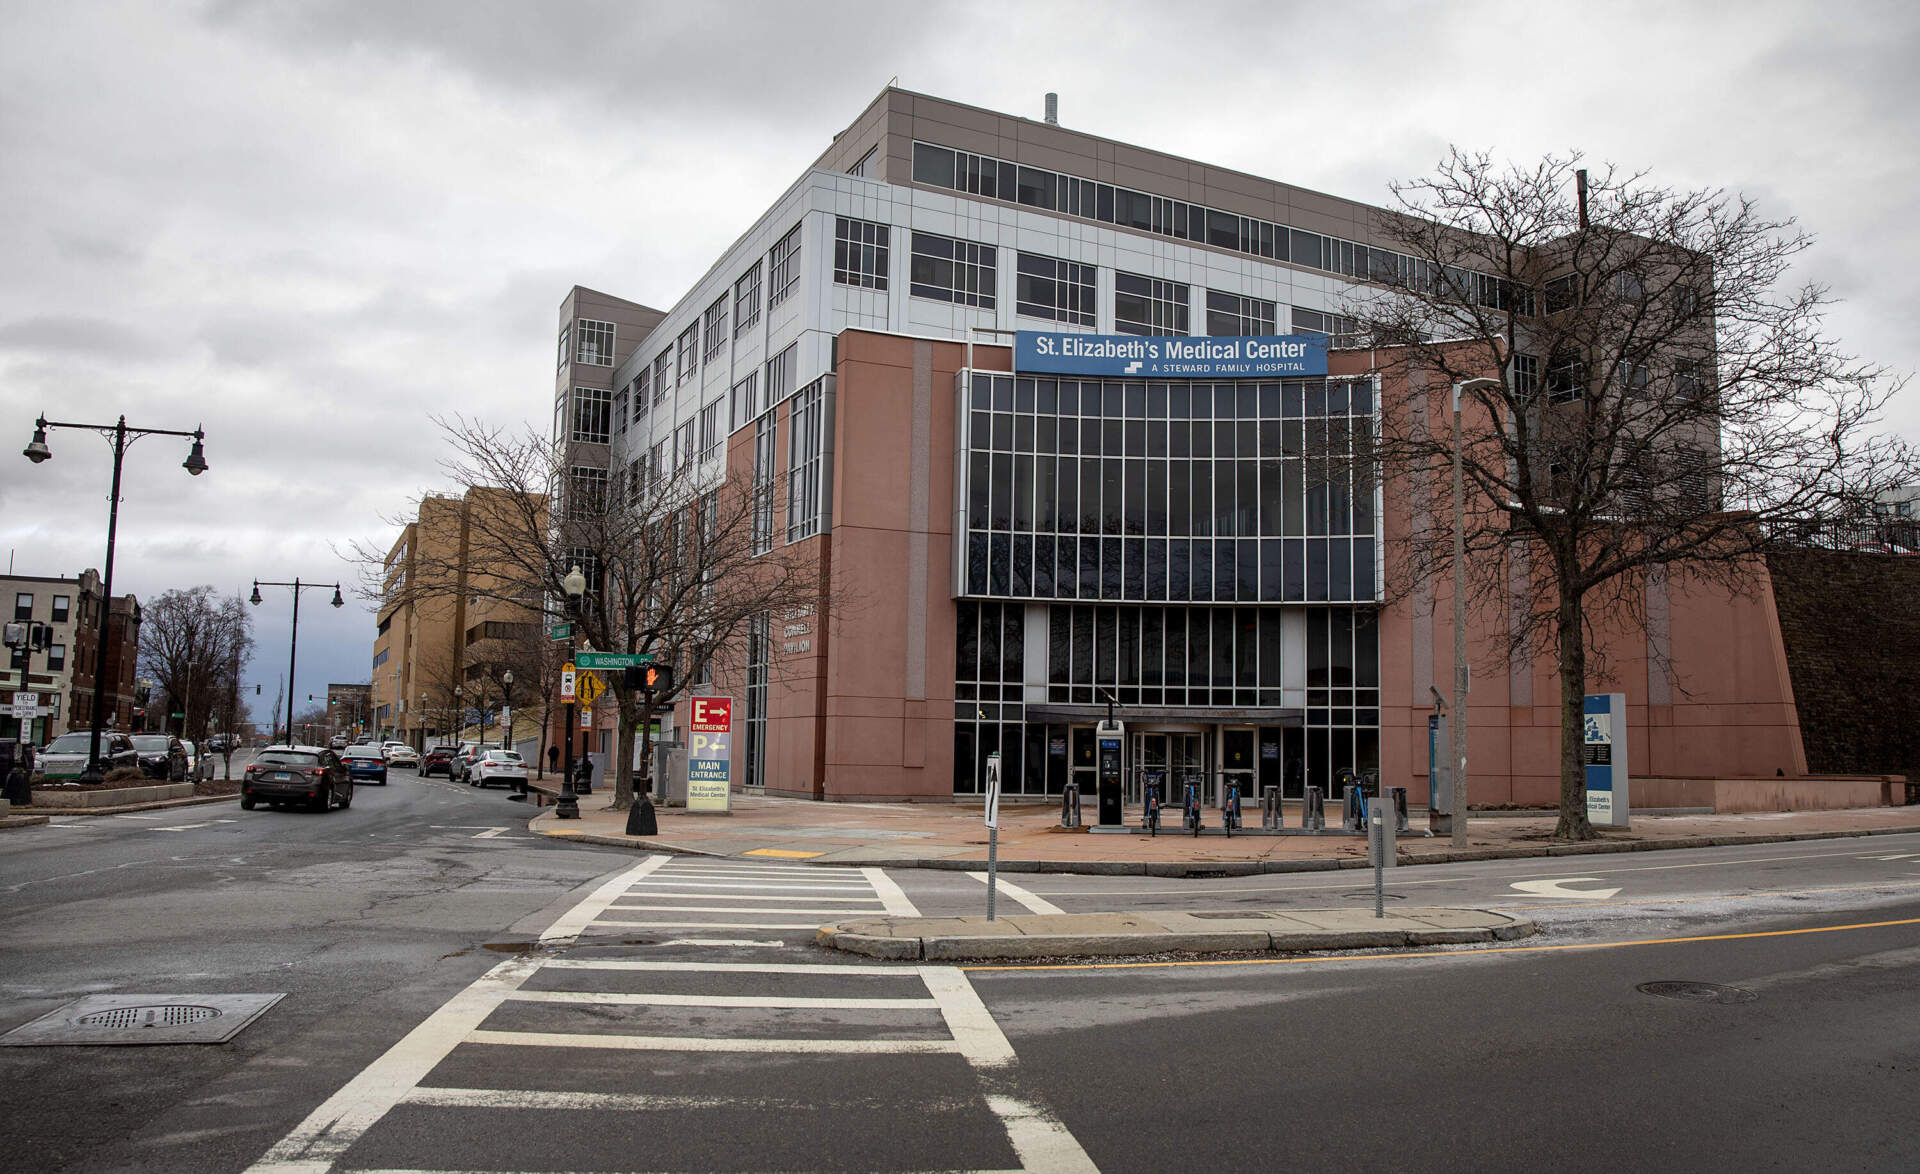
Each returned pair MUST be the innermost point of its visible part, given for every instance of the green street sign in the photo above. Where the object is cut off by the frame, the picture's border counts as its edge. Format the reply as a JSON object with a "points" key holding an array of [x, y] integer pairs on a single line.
{"points": [[611, 660], [560, 632]]}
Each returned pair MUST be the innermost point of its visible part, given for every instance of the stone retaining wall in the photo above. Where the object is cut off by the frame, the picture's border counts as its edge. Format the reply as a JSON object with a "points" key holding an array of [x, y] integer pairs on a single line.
{"points": [[111, 796]]}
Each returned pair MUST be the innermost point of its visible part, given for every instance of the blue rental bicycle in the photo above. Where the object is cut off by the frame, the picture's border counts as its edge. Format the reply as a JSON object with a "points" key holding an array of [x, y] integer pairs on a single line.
{"points": [[1230, 808], [1190, 808], [1152, 816]]}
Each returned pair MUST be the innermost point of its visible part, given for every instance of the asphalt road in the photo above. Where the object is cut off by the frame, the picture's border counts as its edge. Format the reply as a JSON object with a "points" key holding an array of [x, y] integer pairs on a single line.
{"points": [[676, 1017]]}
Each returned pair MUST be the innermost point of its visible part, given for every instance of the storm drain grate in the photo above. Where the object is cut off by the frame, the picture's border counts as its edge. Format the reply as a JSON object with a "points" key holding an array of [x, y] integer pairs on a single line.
{"points": [[1697, 992], [143, 1019]]}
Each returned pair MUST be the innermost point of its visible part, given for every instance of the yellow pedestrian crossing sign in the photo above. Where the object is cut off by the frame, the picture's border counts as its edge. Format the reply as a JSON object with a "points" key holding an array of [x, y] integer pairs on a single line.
{"points": [[587, 687]]}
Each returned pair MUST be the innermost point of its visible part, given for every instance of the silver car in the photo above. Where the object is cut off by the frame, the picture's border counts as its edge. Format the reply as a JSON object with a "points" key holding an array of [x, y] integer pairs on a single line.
{"points": [[66, 756]]}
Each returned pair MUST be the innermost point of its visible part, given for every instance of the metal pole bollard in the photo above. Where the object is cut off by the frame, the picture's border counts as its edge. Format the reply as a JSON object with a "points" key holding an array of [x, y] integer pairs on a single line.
{"points": [[1377, 848], [1313, 810], [1070, 806]]}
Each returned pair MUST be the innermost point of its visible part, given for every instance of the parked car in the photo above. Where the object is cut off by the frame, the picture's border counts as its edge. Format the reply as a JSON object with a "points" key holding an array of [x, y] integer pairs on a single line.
{"points": [[221, 743], [463, 757], [402, 755], [498, 766], [438, 760], [66, 756], [199, 763], [311, 776], [162, 757], [366, 763]]}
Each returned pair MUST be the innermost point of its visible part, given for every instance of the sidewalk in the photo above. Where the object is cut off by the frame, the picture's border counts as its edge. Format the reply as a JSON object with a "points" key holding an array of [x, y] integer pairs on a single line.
{"points": [[930, 835], [1068, 935]]}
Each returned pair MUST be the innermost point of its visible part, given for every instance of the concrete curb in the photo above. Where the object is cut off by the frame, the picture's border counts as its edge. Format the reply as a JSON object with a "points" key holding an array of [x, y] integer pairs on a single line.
{"points": [[158, 805], [1223, 868], [955, 947], [20, 821]]}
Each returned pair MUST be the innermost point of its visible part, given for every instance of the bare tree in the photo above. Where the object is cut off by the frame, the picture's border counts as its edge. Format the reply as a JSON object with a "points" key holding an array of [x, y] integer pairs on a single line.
{"points": [[536, 663], [1655, 397], [194, 644], [677, 566]]}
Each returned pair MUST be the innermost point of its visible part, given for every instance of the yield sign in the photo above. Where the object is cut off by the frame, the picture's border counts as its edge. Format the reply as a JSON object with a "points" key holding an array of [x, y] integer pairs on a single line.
{"points": [[1557, 888]]}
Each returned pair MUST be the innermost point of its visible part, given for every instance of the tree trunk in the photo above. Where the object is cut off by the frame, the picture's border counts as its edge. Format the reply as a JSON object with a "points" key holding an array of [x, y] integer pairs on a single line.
{"points": [[1573, 823], [622, 780]]}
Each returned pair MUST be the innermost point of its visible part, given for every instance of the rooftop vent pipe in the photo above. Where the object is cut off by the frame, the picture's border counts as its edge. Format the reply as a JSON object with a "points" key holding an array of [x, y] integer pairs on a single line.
{"points": [[1053, 110]]}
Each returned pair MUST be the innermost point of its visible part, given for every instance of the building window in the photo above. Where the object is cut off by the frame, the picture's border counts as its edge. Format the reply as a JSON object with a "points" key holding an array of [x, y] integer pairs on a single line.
{"points": [[783, 267], [1566, 378], [803, 462], [596, 342], [23, 606], [759, 655], [1340, 330], [1231, 314], [989, 668], [715, 330], [746, 399], [586, 493], [592, 415], [711, 433], [746, 301], [683, 445], [657, 462], [780, 374], [620, 408], [860, 253], [1526, 375], [662, 375], [949, 270], [688, 350], [764, 436], [565, 334], [1061, 291], [62, 606], [56, 658], [868, 167], [642, 393], [1147, 305]]}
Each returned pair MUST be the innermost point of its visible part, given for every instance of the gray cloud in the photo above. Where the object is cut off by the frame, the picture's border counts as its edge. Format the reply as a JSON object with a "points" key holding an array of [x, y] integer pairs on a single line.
{"points": [[309, 226]]}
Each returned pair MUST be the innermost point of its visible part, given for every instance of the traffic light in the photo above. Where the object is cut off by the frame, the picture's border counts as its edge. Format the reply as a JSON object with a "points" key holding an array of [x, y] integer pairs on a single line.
{"points": [[656, 678]]}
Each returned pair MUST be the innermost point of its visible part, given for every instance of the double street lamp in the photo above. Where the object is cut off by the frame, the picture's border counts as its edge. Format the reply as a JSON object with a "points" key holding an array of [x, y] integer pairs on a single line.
{"points": [[1457, 807], [293, 641], [120, 437]]}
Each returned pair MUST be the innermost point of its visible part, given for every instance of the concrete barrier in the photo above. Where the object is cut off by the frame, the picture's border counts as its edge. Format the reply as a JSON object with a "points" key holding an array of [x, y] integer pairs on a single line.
{"points": [[111, 796]]}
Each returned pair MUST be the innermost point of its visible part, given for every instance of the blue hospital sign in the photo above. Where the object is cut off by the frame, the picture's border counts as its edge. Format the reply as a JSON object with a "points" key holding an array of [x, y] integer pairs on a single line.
{"points": [[1603, 756], [1162, 357]]}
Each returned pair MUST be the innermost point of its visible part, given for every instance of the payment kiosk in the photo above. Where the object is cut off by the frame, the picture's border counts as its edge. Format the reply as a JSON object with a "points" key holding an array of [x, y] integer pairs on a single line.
{"points": [[1109, 736]]}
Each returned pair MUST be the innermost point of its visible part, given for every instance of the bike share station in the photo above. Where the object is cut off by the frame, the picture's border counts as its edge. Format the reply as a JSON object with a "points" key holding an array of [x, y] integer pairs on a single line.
{"points": [[1187, 798]]}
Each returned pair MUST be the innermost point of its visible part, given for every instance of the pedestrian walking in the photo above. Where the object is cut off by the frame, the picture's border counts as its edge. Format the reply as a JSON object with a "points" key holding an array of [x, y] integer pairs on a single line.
{"points": [[553, 758]]}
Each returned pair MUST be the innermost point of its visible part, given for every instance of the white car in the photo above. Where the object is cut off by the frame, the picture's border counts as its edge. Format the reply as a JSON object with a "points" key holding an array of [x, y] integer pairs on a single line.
{"points": [[498, 766], [402, 755], [199, 762]]}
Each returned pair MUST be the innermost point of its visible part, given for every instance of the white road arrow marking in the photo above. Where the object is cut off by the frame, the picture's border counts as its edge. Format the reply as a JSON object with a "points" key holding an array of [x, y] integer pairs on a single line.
{"points": [[1901, 856], [1557, 888]]}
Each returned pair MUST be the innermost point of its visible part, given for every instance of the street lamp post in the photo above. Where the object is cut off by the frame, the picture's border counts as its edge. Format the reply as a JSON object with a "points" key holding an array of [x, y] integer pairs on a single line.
{"points": [[293, 641], [1457, 815], [120, 437], [506, 707], [568, 807]]}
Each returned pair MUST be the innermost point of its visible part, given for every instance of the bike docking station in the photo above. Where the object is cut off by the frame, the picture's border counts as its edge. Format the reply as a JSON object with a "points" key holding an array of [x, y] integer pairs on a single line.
{"points": [[1109, 736]]}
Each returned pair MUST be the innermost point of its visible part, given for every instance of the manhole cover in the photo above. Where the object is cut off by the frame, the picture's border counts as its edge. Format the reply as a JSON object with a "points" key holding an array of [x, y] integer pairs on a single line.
{"points": [[163, 1015], [143, 1019], [1697, 992]]}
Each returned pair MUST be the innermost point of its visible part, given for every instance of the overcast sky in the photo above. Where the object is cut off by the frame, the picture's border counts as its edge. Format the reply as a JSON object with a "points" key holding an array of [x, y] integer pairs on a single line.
{"points": [[309, 226]]}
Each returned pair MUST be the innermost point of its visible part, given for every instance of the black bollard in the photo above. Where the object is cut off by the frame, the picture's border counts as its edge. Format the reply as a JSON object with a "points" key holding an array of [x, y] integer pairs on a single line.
{"points": [[640, 817]]}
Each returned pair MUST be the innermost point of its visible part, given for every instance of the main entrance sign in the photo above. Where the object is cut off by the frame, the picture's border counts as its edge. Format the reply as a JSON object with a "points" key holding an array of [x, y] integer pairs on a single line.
{"points": [[1163, 357]]}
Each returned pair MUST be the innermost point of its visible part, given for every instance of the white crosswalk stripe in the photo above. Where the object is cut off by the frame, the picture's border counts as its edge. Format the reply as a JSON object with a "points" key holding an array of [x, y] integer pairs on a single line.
{"points": [[718, 1027]]}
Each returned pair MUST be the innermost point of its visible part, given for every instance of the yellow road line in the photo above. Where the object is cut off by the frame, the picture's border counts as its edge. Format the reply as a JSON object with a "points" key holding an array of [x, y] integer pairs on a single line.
{"points": [[783, 853], [1723, 937]]}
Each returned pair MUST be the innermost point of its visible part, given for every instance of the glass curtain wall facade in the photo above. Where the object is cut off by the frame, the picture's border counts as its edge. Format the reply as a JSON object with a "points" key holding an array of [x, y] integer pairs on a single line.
{"points": [[1205, 553]]}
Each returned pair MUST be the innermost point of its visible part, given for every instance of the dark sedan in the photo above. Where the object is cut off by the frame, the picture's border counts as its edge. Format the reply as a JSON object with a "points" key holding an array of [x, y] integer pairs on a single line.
{"points": [[366, 763], [308, 776], [162, 757]]}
